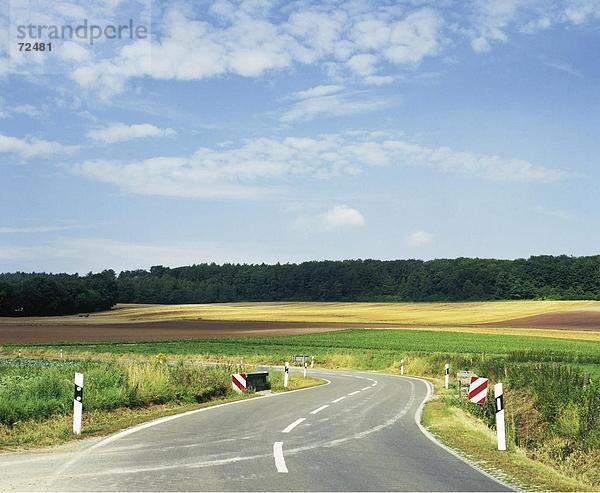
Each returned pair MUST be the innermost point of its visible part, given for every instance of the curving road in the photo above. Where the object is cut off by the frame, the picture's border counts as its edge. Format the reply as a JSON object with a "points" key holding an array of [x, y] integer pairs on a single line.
{"points": [[358, 433]]}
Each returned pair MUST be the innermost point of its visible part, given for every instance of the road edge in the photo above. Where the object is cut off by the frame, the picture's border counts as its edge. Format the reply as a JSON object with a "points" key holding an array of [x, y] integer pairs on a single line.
{"points": [[434, 439]]}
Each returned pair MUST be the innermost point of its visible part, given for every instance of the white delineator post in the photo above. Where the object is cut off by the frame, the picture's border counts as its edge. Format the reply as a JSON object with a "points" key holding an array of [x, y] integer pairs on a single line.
{"points": [[78, 403], [61, 353], [286, 374], [446, 375], [401, 367], [499, 402], [312, 362], [305, 368]]}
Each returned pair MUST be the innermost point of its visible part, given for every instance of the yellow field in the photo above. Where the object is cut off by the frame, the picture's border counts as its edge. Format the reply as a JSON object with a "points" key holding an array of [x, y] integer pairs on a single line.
{"points": [[401, 313], [461, 317]]}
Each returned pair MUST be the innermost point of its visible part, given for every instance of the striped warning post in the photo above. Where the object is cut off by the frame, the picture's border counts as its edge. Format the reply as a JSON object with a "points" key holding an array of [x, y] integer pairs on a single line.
{"points": [[478, 389], [238, 382]]}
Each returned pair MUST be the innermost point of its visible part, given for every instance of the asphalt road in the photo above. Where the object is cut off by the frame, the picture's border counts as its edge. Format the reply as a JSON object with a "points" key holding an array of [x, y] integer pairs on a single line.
{"points": [[358, 433]]}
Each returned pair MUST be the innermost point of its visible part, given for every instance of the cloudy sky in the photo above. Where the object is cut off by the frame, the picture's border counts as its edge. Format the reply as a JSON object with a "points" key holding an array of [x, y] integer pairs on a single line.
{"points": [[286, 131]]}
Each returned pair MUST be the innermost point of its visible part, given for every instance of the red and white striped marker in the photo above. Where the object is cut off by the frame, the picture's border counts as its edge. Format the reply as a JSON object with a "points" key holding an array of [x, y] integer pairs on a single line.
{"points": [[478, 389], [238, 382]]}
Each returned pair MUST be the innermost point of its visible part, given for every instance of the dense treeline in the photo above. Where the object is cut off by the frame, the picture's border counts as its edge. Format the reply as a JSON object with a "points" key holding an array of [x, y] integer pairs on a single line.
{"points": [[543, 277], [56, 294], [359, 280]]}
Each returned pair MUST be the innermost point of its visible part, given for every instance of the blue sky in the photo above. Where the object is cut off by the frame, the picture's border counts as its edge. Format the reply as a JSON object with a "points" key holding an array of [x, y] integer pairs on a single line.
{"points": [[289, 131]]}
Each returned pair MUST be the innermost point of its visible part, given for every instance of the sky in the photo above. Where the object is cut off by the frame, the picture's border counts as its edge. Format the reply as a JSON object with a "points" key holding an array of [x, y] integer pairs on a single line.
{"points": [[266, 131]]}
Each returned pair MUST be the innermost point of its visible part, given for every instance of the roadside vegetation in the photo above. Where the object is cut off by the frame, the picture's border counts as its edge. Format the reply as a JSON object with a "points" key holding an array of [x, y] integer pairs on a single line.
{"points": [[36, 395]]}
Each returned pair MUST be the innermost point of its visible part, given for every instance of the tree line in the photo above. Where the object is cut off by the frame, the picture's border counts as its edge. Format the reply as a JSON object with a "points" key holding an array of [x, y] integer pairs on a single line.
{"points": [[461, 279], [38, 294]]}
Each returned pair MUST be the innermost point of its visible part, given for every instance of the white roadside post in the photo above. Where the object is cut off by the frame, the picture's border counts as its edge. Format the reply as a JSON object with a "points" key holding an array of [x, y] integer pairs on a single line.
{"points": [[402, 367], [61, 353], [312, 362], [305, 367], [499, 397], [78, 403], [446, 375], [286, 374]]}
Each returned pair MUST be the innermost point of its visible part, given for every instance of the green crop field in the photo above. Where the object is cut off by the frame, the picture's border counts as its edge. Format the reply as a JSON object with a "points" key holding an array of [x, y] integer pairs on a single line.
{"points": [[385, 346]]}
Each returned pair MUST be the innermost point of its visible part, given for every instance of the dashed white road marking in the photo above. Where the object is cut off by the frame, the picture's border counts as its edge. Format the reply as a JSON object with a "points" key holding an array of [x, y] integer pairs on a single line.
{"points": [[339, 399], [366, 388], [354, 393], [279, 459], [290, 427], [319, 409]]}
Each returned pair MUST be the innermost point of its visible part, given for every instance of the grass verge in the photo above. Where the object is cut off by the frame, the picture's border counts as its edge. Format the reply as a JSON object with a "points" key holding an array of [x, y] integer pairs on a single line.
{"points": [[474, 440]]}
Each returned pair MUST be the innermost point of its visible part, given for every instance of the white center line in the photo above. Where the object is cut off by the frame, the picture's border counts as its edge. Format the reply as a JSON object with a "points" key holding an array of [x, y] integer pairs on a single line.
{"points": [[366, 388], [279, 460], [319, 409], [289, 428], [354, 393], [339, 399]]}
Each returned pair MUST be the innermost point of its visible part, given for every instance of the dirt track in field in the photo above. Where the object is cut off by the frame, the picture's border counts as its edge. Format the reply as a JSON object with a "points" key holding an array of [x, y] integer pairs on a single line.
{"points": [[161, 331], [575, 319]]}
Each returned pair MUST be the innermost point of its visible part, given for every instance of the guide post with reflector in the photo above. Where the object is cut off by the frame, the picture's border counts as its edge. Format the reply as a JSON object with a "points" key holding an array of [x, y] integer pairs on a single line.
{"points": [[78, 403], [286, 374], [499, 404], [446, 375]]}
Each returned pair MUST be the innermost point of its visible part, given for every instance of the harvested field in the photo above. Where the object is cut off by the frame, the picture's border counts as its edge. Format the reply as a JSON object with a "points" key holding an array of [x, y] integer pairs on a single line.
{"points": [[576, 319], [127, 323], [159, 331]]}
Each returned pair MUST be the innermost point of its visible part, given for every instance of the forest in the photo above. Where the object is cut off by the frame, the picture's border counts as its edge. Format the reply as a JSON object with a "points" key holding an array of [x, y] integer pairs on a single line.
{"points": [[461, 279]]}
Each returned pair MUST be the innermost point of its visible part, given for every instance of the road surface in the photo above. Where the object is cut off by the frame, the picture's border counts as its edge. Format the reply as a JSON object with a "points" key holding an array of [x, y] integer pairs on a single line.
{"points": [[358, 433]]}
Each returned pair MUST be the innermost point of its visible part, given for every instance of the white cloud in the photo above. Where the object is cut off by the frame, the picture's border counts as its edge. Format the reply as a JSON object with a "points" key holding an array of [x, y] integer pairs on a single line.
{"points": [[363, 41], [566, 68], [19, 109], [318, 91], [419, 239], [265, 165], [492, 22], [330, 101], [35, 229], [252, 41], [120, 132], [26, 109], [553, 213], [32, 147], [342, 216]]}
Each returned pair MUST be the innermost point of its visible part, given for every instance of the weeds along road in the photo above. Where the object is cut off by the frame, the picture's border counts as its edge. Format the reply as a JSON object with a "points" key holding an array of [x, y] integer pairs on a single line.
{"points": [[357, 433]]}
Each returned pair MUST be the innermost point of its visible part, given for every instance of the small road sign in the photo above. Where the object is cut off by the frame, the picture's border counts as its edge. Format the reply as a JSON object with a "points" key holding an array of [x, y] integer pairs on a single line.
{"points": [[300, 358], [478, 389], [238, 382]]}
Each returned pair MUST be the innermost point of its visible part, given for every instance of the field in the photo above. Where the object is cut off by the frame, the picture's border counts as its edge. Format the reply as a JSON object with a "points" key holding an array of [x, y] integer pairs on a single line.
{"points": [[557, 319]]}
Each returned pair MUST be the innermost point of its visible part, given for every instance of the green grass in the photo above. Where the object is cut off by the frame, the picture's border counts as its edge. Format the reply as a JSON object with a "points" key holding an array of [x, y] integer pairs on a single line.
{"points": [[39, 389], [389, 344], [463, 432]]}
